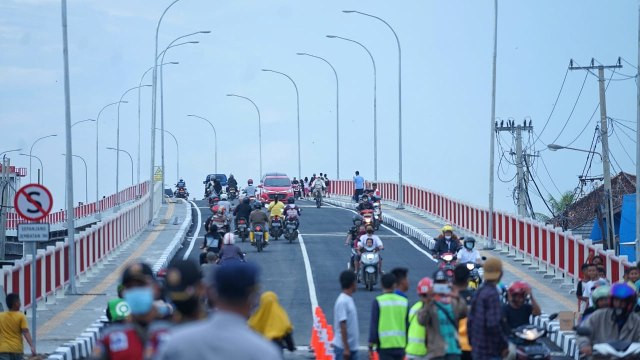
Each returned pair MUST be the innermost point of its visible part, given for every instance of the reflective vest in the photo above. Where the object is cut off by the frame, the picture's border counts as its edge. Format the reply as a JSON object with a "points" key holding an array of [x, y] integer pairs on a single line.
{"points": [[118, 309], [463, 336], [392, 323], [417, 333]]}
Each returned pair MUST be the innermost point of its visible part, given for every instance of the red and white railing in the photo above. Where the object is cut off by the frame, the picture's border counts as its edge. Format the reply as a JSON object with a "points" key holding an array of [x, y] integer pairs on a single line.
{"points": [[128, 194], [550, 248]]}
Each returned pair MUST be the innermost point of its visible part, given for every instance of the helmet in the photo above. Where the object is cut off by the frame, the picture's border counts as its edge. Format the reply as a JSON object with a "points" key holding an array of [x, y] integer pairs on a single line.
{"points": [[600, 292], [181, 180], [223, 197], [440, 276], [257, 206], [624, 292], [518, 288], [364, 197], [228, 239], [447, 228], [230, 175], [245, 200], [425, 285], [471, 240], [250, 181], [357, 220], [291, 200]]}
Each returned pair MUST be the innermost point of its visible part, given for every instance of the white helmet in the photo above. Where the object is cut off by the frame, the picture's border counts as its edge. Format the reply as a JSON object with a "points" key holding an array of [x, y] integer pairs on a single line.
{"points": [[223, 197], [228, 239]]}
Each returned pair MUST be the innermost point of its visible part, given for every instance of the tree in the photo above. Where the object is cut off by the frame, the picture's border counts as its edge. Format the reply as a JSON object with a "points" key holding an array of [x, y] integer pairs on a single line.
{"points": [[560, 205]]}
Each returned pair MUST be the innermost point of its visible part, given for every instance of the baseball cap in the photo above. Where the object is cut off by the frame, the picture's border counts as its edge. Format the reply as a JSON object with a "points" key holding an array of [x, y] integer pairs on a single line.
{"points": [[492, 269], [181, 280], [234, 281], [137, 272]]}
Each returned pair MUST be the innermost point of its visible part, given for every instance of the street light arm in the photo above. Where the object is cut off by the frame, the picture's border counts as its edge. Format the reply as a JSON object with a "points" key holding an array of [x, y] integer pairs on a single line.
{"points": [[373, 61], [81, 121]]}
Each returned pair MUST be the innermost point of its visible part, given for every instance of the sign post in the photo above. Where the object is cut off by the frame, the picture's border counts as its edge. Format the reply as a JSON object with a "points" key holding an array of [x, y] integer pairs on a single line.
{"points": [[33, 202]]}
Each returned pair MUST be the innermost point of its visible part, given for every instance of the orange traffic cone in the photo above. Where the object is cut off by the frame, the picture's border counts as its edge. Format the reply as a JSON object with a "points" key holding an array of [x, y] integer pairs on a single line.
{"points": [[314, 339], [330, 333]]}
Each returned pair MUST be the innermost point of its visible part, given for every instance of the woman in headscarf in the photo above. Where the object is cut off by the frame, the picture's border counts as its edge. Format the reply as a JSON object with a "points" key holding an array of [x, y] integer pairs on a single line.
{"points": [[272, 321]]}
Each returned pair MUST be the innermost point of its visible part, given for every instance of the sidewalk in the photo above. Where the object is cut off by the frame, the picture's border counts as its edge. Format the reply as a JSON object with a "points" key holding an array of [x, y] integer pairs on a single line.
{"points": [[69, 328]]}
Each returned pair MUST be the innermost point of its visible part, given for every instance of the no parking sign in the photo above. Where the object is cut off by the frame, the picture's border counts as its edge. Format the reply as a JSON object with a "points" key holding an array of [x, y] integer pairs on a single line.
{"points": [[33, 202]]}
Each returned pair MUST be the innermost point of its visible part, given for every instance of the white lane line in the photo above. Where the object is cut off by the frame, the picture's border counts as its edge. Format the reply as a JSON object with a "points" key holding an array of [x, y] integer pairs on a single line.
{"points": [[344, 235], [426, 253], [307, 268], [195, 233]]}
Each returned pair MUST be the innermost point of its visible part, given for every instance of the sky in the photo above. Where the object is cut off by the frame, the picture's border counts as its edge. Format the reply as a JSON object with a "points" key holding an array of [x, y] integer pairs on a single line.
{"points": [[446, 88]]}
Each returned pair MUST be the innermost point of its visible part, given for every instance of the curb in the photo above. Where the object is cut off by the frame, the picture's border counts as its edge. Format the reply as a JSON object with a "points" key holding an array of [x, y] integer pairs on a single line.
{"points": [[82, 346]]}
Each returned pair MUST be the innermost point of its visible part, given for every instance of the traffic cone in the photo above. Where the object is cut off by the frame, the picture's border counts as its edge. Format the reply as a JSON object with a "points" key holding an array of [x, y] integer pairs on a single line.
{"points": [[330, 333], [373, 355], [314, 339]]}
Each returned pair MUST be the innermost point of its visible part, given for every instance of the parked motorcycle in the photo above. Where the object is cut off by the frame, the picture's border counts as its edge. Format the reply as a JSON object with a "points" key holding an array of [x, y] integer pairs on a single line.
{"points": [[611, 350], [275, 227], [258, 236], [447, 263], [242, 228], [290, 231], [297, 193], [370, 260]]}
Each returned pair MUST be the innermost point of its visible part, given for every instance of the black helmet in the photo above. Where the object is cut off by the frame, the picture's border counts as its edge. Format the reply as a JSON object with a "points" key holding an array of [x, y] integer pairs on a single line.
{"points": [[291, 200], [257, 206], [357, 220], [469, 239], [245, 200], [364, 197], [440, 276]]}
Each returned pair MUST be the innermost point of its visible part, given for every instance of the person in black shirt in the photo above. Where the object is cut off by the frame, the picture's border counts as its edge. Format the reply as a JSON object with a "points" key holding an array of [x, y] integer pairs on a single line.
{"points": [[243, 210], [517, 312]]}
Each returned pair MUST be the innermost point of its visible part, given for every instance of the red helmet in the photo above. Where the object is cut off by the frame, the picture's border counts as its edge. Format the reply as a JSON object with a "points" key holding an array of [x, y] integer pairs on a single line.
{"points": [[425, 285], [250, 181], [518, 288]]}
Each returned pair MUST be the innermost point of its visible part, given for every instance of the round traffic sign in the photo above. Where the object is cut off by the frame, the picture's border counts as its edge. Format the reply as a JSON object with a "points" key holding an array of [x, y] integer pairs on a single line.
{"points": [[33, 202]]}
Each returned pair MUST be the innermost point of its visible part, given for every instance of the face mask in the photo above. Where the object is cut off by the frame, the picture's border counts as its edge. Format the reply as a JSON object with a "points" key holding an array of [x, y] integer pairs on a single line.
{"points": [[140, 300], [469, 246], [447, 237], [618, 312]]}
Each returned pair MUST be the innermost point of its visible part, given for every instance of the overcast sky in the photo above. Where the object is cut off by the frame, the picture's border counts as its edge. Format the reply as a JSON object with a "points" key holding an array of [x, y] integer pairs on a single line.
{"points": [[447, 49]]}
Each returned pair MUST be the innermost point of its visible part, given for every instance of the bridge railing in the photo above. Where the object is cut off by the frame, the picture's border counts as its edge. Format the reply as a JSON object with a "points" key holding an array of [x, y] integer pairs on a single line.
{"points": [[93, 246], [551, 249], [85, 210]]}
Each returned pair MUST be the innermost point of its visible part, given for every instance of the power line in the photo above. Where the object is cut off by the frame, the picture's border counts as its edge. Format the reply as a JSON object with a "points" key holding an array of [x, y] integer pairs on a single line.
{"points": [[572, 110], [549, 174], [621, 144], [553, 108]]}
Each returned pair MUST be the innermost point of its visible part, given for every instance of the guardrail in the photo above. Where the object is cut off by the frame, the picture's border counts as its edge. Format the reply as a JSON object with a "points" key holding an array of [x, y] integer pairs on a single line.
{"points": [[93, 246], [558, 253], [128, 194]]}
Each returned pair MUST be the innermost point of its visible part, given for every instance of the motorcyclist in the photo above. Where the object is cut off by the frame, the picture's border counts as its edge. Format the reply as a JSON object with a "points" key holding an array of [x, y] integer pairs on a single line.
{"points": [[355, 231], [250, 189], [295, 181], [230, 251], [259, 217], [618, 322], [600, 299], [318, 187], [275, 207], [242, 211], [365, 204], [292, 211], [224, 203], [447, 242], [232, 182], [181, 184], [377, 244], [217, 186], [468, 253], [220, 218], [517, 312]]}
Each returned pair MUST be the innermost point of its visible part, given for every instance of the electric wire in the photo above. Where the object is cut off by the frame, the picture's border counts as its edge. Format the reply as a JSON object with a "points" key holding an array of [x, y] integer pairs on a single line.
{"points": [[572, 110], [553, 108]]}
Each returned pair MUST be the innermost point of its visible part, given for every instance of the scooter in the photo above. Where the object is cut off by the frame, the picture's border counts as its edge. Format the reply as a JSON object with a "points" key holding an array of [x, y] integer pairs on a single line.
{"points": [[529, 345], [447, 263], [275, 227], [475, 278], [611, 350], [242, 229], [318, 196], [377, 215], [258, 236], [368, 218], [181, 193], [296, 192], [370, 260], [232, 193], [290, 232], [211, 244]]}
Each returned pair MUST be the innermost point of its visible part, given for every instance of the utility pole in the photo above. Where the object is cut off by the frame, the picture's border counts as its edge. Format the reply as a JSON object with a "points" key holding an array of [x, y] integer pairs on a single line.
{"points": [[4, 207], [490, 241], [516, 131], [638, 150], [604, 138]]}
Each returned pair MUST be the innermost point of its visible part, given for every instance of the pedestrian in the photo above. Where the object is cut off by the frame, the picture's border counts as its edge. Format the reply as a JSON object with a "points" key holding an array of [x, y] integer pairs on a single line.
{"points": [[591, 278], [402, 281], [388, 327], [417, 334], [440, 316], [13, 327], [488, 341], [186, 291], [345, 320], [631, 275], [305, 186], [225, 334], [358, 186], [139, 338], [583, 302], [272, 321]]}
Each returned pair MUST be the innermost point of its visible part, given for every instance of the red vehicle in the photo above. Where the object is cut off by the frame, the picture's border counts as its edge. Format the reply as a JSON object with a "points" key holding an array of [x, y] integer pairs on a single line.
{"points": [[275, 185]]}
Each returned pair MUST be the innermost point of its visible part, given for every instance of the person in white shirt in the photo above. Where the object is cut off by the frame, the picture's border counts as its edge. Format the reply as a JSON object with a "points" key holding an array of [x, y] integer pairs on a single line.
{"points": [[468, 253], [377, 244], [250, 190]]}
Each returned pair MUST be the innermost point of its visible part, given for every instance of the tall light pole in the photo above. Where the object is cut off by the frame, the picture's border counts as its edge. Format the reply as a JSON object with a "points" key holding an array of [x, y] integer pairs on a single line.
{"points": [[130, 158], [259, 126], [98, 153], [337, 110], [375, 102], [638, 150], [139, 111], [298, 112], [215, 138], [31, 150], [41, 179], [118, 143], [177, 153], [153, 113], [400, 185], [86, 177], [492, 147]]}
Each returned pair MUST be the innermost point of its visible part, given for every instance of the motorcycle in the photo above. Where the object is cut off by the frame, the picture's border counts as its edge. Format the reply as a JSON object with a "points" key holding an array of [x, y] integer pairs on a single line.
{"points": [[529, 346], [242, 229], [317, 194], [377, 215], [232, 192], [447, 263], [475, 278], [258, 236], [211, 243], [291, 233], [297, 194], [275, 227], [368, 218], [370, 260], [611, 350], [181, 193]]}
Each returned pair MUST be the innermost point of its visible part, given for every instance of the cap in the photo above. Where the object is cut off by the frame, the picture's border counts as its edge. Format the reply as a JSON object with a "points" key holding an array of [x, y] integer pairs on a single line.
{"points": [[492, 269], [137, 272], [182, 277], [234, 281]]}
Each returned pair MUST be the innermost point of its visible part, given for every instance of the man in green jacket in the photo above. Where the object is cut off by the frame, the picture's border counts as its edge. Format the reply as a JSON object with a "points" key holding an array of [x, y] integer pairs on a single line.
{"points": [[388, 330]]}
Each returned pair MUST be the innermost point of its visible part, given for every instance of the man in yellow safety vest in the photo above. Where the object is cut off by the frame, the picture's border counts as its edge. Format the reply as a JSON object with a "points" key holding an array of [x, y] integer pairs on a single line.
{"points": [[388, 331], [417, 336]]}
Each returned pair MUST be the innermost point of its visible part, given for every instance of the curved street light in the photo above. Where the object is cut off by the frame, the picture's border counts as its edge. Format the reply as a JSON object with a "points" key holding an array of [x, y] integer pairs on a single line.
{"points": [[31, 151], [86, 177], [335, 73], [375, 103], [298, 112], [81, 121], [400, 187], [98, 152], [215, 138], [130, 158], [8, 151], [177, 153], [259, 126], [41, 180]]}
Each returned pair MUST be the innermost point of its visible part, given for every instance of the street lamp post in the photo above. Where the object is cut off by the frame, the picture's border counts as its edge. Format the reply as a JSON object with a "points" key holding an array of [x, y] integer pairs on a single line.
{"points": [[298, 116], [259, 126], [81, 121], [31, 152], [86, 177], [130, 158], [8, 151], [153, 113], [375, 101], [41, 179], [215, 138], [400, 186], [335, 73], [97, 155], [177, 153]]}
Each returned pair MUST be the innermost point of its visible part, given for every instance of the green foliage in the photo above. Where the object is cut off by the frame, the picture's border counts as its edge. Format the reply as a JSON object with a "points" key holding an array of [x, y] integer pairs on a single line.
{"points": [[560, 205]]}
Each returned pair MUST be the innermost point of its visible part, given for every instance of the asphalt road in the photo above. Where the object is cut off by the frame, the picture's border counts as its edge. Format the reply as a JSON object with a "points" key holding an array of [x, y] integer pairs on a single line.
{"points": [[323, 232]]}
